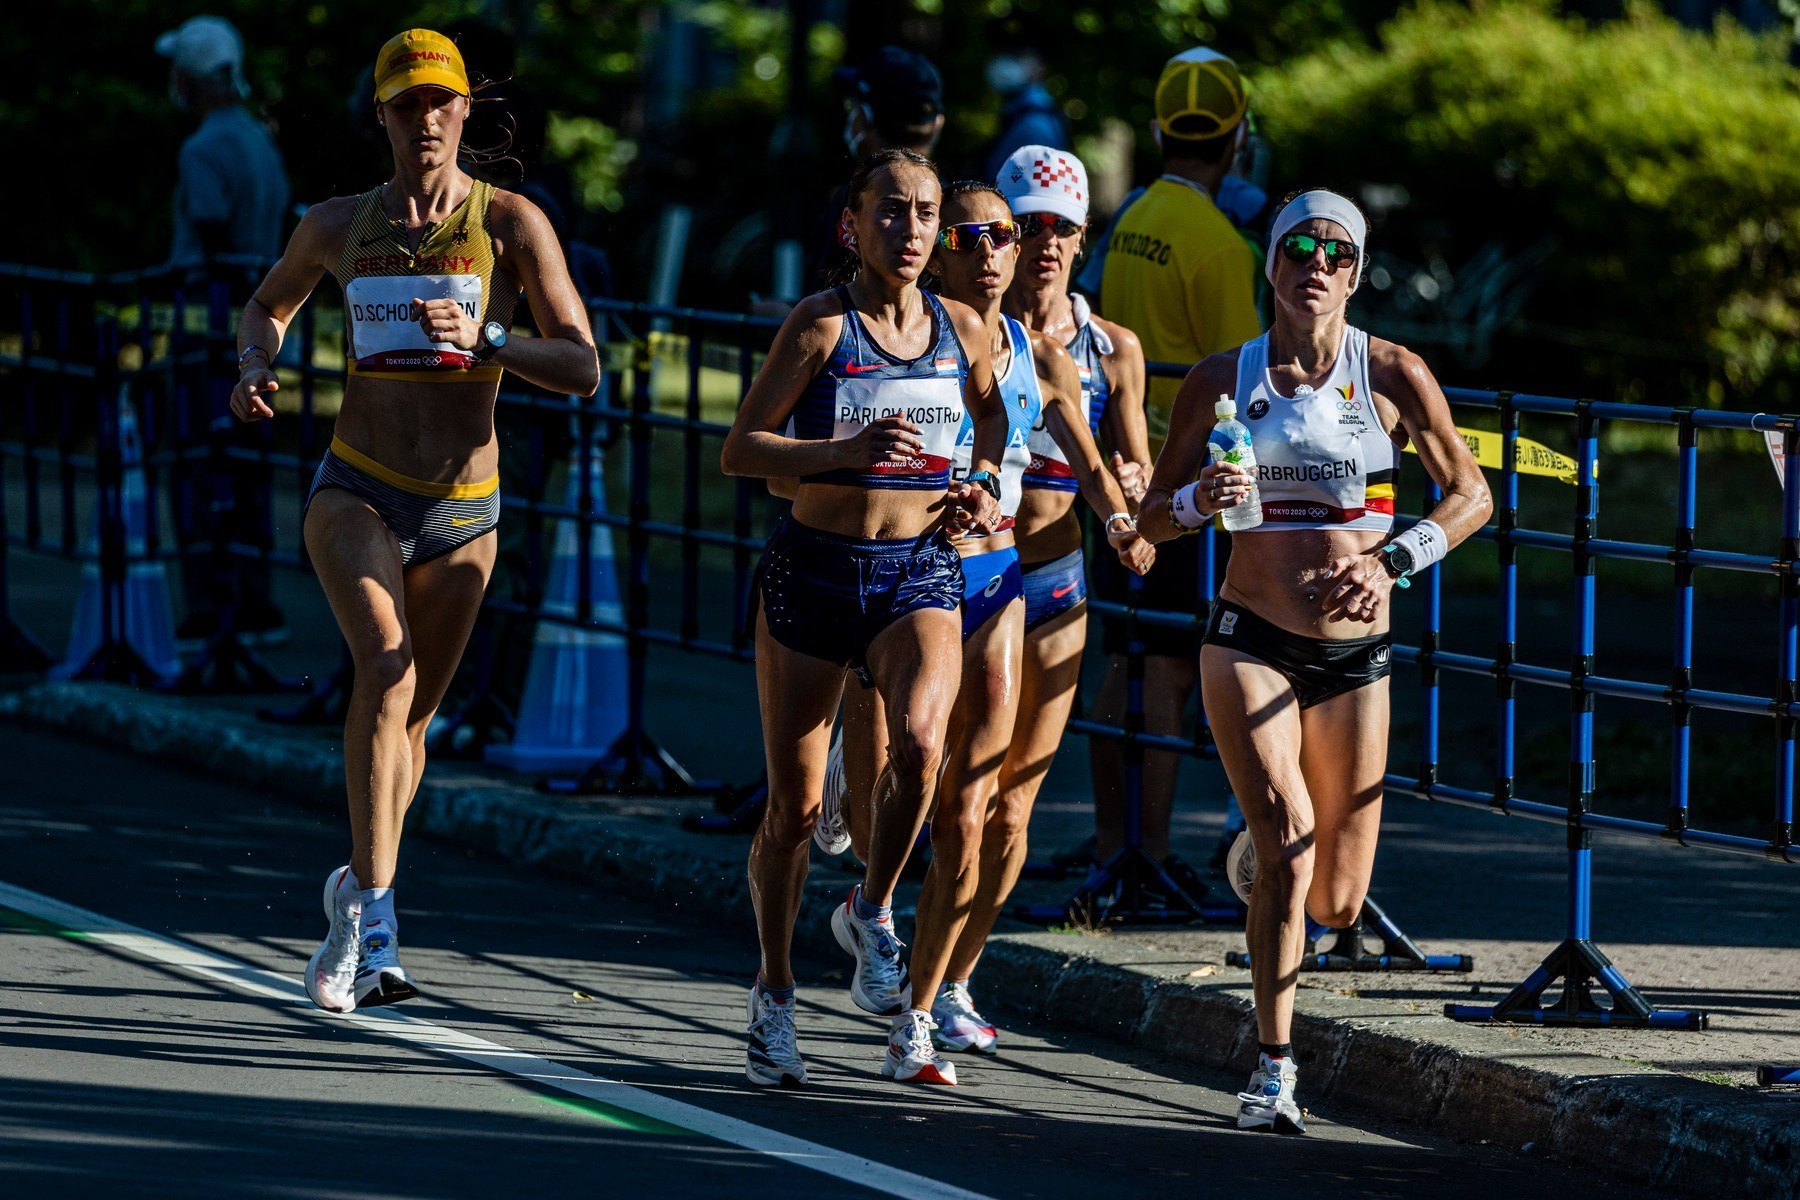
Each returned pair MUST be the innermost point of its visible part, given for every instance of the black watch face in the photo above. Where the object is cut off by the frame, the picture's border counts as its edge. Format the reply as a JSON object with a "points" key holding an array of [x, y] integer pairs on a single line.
{"points": [[1401, 558]]}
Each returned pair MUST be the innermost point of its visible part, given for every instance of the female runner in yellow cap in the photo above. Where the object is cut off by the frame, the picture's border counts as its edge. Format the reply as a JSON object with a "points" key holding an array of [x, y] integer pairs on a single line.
{"points": [[399, 519]]}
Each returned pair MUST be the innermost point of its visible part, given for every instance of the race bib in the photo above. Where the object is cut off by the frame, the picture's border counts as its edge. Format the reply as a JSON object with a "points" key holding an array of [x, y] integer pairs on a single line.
{"points": [[934, 405], [385, 337]]}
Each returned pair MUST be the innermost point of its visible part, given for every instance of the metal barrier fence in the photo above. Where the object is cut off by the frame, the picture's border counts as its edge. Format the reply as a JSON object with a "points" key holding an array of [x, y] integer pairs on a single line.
{"points": [[113, 413]]}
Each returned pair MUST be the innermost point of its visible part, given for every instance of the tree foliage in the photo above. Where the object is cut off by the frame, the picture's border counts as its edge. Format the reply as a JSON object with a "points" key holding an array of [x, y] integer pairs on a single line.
{"points": [[1665, 161]]}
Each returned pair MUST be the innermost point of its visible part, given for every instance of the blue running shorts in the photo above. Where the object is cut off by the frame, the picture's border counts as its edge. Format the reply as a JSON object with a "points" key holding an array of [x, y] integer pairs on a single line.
{"points": [[991, 581], [1053, 588], [829, 596]]}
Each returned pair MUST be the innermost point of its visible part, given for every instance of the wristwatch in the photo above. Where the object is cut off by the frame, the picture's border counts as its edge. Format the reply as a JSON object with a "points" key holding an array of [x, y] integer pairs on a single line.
{"points": [[1399, 562], [493, 336], [985, 479]]}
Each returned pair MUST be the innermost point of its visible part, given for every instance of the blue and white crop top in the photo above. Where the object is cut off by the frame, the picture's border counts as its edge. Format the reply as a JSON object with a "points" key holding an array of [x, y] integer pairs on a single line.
{"points": [[1049, 469], [861, 383], [1323, 461], [1024, 404]]}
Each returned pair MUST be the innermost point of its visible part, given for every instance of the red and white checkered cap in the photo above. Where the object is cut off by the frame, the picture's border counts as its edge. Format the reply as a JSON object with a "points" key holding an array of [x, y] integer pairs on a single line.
{"points": [[1041, 179]]}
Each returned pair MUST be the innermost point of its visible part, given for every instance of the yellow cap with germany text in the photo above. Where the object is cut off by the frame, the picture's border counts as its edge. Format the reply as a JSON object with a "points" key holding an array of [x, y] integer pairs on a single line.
{"points": [[419, 58]]}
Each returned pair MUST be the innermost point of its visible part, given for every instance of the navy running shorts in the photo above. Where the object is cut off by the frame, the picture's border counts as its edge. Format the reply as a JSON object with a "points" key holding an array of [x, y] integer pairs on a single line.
{"points": [[991, 581], [829, 596], [1318, 668], [1053, 588]]}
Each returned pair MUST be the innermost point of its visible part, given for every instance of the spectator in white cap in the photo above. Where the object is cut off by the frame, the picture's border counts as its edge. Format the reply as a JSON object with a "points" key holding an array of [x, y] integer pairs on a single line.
{"points": [[231, 194], [231, 197]]}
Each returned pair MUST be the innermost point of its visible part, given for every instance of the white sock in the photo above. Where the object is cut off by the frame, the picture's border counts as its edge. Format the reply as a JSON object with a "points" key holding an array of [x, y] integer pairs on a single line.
{"points": [[378, 910]]}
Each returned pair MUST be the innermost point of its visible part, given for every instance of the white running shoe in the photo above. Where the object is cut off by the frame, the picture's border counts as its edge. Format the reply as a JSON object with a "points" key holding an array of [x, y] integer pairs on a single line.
{"points": [[1269, 1103], [911, 1058], [331, 975], [879, 984], [380, 979], [773, 1056], [831, 833], [958, 1026], [1240, 865]]}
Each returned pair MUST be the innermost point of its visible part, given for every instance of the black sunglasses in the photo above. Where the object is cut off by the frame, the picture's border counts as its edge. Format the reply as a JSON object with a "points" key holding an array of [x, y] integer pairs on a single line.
{"points": [[1300, 247], [1032, 224]]}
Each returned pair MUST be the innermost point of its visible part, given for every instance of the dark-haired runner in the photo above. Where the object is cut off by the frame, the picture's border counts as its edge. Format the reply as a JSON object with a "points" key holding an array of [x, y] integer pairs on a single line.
{"points": [[860, 398]]}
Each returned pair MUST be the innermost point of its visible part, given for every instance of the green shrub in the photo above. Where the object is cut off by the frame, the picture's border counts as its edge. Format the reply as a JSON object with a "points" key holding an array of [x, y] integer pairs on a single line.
{"points": [[1664, 161]]}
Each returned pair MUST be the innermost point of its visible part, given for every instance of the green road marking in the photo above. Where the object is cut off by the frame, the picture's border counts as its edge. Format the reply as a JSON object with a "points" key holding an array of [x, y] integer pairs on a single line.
{"points": [[12, 918], [620, 1118]]}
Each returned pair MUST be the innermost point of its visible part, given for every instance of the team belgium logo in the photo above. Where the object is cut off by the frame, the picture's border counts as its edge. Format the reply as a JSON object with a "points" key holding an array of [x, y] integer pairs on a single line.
{"points": [[1348, 406]]}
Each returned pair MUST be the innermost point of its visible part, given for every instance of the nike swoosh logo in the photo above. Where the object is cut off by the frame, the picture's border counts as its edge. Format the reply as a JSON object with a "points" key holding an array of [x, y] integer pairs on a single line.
{"points": [[1059, 593], [853, 369], [464, 520], [368, 241]]}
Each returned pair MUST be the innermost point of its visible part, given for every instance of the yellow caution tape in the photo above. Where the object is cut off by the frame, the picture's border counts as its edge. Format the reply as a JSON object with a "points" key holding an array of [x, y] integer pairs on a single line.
{"points": [[1531, 458]]}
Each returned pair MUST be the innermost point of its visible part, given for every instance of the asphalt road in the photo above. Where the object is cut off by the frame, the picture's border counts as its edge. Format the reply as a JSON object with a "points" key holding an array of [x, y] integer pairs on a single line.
{"points": [[153, 925]]}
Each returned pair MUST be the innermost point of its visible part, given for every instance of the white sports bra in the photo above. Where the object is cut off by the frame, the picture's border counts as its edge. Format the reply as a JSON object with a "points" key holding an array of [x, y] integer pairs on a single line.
{"points": [[1323, 461]]}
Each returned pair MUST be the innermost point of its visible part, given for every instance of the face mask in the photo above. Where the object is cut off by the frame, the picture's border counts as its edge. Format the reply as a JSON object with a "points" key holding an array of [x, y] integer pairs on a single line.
{"points": [[1008, 73]]}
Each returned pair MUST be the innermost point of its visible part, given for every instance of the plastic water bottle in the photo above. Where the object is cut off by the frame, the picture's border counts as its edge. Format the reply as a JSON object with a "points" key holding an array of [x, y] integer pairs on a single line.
{"points": [[1230, 442]]}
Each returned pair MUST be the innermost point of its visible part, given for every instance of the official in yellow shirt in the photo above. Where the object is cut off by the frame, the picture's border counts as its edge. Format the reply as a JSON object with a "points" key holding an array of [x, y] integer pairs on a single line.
{"points": [[1180, 276], [1178, 273]]}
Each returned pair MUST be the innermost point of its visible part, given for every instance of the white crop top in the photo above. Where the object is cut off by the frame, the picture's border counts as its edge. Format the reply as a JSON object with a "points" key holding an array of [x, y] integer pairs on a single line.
{"points": [[1323, 461]]}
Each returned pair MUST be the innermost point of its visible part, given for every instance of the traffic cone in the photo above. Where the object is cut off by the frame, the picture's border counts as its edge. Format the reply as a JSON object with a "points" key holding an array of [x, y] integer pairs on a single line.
{"points": [[144, 622], [574, 704]]}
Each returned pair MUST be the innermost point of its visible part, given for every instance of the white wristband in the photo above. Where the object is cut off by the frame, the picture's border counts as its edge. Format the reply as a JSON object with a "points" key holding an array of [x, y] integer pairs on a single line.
{"points": [[1119, 516], [1426, 542], [1184, 507]]}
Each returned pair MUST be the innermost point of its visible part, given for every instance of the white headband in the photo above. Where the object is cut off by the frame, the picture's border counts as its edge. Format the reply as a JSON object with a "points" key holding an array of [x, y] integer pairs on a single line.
{"points": [[1319, 205]]}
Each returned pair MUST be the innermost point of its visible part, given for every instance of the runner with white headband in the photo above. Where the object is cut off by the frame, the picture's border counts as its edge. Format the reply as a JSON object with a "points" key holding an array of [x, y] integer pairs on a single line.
{"points": [[1295, 658]]}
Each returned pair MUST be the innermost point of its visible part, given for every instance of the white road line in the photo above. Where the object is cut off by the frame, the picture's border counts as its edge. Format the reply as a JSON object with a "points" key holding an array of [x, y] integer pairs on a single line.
{"points": [[389, 1022]]}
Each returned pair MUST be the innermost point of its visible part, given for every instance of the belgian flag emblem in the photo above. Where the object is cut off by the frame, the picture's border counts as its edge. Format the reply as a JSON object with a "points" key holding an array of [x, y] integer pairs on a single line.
{"points": [[1348, 390]]}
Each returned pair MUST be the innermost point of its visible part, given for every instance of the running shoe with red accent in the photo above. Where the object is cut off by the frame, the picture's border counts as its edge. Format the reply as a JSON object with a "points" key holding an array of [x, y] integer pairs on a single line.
{"points": [[331, 975], [958, 1026], [879, 984], [911, 1058]]}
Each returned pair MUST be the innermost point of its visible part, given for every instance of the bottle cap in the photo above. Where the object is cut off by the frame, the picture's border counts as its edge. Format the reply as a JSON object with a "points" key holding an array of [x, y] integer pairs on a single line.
{"points": [[1226, 407]]}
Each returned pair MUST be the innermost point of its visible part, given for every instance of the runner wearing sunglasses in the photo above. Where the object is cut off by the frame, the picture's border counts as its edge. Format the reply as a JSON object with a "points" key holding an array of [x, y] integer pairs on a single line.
{"points": [[861, 399], [977, 257], [1047, 190], [1295, 658]]}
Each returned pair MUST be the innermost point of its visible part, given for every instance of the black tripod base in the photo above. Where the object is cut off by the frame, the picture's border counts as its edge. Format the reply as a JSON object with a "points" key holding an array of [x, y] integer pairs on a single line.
{"points": [[19, 651], [1350, 949], [634, 766], [742, 810], [1580, 965], [228, 667], [1132, 889], [326, 704]]}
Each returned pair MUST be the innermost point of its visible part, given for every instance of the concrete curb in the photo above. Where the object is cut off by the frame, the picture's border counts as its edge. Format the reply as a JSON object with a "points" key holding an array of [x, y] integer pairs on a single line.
{"points": [[1470, 1082]]}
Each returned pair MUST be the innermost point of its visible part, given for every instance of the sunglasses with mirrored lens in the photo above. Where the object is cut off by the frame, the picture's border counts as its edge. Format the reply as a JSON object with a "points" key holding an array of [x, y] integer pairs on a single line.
{"points": [[1032, 224], [1300, 247], [968, 235]]}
